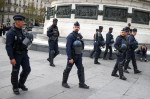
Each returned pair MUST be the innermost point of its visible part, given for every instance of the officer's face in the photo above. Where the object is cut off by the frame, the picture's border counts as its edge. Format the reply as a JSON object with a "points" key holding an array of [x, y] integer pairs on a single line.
{"points": [[123, 33], [20, 23], [76, 28], [130, 32], [134, 33], [110, 31], [101, 30], [54, 23]]}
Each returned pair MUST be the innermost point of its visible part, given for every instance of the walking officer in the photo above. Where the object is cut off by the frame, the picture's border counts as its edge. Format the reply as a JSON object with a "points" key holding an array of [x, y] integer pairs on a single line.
{"points": [[99, 42], [121, 47], [109, 42], [133, 44], [17, 41], [93, 51], [53, 34], [74, 48]]}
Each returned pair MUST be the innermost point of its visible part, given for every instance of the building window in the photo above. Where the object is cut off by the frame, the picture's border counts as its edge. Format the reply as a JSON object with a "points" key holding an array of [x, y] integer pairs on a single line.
{"points": [[15, 2], [20, 3], [8, 9], [14, 10], [9, 1], [19, 10]]}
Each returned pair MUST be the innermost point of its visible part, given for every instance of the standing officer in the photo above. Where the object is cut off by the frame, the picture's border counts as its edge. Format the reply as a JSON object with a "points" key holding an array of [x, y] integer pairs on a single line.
{"points": [[128, 27], [121, 47], [98, 43], [93, 51], [133, 44], [109, 42], [74, 48], [17, 42], [53, 34]]}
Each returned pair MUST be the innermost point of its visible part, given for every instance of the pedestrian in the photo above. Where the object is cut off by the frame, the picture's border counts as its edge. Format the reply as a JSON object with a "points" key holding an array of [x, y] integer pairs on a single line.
{"points": [[74, 48], [53, 34]]}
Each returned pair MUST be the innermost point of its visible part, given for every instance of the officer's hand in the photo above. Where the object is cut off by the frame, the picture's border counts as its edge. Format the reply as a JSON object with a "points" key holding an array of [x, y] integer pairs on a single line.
{"points": [[71, 61], [110, 45], [103, 46], [13, 62]]}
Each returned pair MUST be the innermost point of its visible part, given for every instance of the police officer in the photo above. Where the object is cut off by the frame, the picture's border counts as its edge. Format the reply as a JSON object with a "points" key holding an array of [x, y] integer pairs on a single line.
{"points": [[109, 42], [99, 42], [53, 34], [130, 31], [93, 51], [121, 46], [17, 42], [133, 44], [128, 27], [74, 48]]}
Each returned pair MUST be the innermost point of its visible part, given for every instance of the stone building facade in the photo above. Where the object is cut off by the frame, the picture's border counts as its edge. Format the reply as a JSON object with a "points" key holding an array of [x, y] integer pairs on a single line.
{"points": [[93, 13], [17, 7]]}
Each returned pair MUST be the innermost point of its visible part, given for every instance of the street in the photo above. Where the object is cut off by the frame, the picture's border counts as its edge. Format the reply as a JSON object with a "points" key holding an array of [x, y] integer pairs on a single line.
{"points": [[44, 82]]}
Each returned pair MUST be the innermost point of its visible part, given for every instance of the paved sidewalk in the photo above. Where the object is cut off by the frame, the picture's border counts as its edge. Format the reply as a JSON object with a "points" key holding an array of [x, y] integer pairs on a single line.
{"points": [[44, 82]]}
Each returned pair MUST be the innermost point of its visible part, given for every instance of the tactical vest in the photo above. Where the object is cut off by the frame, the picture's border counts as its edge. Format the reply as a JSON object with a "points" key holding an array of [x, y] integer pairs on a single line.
{"points": [[123, 41], [55, 36], [77, 49], [18, 47]]}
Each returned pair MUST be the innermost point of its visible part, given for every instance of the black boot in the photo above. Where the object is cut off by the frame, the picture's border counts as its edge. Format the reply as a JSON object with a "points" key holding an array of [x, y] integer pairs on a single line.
{"points": [[104, 58], [16, 91], [110, 58], [22, 80], [120, 67], [82, 78], [126, 65], [129, 67], [126, 71], [114, 72], [65, 77], [14, 81], [96, 61], [51, 57], [136, 71], [91, 54]]}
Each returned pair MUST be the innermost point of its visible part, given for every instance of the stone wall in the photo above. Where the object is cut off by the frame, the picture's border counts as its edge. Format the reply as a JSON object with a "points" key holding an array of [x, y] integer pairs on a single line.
{"points": [[122, 12]]}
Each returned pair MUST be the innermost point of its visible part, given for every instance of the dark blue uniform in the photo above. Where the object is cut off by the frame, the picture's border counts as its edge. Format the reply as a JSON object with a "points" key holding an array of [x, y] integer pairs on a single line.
{"points": [[119, 63], [16, 50], [97, 44], [77, 58], [132, 45], [53, 42], [109, 42]]}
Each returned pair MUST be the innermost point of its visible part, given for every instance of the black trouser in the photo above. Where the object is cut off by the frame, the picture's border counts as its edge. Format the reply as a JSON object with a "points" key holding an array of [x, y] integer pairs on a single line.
{"points": [[80, 71], [23, 60], [106, 51], [130, 56], [119, 65]]}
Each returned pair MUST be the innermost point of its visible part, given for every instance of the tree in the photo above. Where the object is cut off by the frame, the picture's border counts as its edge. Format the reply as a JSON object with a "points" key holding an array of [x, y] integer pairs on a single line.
{"points": [[41, 17], [2, 3], [30, 14]]}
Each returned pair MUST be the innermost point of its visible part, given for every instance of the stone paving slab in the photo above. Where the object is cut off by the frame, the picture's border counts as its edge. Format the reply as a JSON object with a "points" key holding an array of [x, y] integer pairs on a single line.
{"points": [[44, 82]]}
